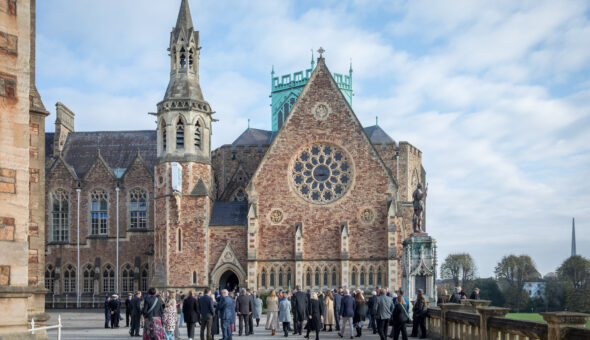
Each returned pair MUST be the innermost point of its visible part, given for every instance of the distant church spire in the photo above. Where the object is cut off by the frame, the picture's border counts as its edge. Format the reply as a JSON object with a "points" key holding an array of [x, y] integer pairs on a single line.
{"points": [[573, 237]]}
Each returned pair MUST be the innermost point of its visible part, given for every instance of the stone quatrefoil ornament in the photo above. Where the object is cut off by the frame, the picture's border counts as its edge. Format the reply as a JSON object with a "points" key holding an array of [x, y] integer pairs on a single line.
{"points": [[322, 173], [321, 111]]}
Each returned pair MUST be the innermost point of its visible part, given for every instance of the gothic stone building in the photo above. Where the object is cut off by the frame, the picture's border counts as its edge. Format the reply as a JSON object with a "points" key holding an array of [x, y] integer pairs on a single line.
{"points": [[318, 201]]}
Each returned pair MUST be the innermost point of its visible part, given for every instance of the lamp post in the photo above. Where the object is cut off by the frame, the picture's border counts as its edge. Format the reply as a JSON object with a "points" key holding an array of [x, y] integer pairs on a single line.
{"points": [[117, 260], [78, 249]]}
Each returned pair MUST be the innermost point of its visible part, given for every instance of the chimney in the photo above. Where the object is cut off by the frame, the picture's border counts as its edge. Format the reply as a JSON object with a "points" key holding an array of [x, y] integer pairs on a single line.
{"points": [[64, 124]]}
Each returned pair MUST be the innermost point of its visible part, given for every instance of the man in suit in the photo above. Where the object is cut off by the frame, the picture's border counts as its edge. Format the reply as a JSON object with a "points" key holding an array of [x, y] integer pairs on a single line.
{"points": [[190, 311], [226, 314], [107, 312], [299, 302], [251, 316], [382, 309], [244, 307], [135, 312], [337, 302], [128, 309], [206, 312]]}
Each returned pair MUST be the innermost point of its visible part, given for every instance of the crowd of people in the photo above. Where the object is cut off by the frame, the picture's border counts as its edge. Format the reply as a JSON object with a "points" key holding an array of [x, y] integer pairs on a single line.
{"points": [[300, 312]]}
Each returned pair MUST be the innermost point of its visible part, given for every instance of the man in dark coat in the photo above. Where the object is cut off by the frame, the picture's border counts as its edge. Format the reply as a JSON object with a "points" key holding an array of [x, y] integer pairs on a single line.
{"points": [[135, 312], [190, 311], [244, 308], [370, 303], [128, 309], [299, 302], [337, 302], [107, 312], [475, 294], [346, 313], [113, 311], [251, 316], [206, 312]]}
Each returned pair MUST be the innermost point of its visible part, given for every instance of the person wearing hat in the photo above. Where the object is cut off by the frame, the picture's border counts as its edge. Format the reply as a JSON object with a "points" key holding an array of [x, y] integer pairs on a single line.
{"points": [[113, 311]]}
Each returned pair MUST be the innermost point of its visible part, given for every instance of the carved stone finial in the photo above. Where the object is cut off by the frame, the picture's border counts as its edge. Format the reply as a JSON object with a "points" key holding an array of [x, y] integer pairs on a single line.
{"points": [[321, 52]]}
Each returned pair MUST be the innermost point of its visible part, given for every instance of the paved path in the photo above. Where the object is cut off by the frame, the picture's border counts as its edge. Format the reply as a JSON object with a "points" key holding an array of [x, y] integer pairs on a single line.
{"points": [[89, 324]]}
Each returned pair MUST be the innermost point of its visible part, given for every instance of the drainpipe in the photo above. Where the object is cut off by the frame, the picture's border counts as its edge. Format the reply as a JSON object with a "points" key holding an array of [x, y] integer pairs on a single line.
{"points": [[117, 216], [78, 250]]}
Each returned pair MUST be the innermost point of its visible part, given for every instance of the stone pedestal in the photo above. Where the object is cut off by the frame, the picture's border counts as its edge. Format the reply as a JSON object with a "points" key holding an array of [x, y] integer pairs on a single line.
{"points": [[485, 313], [557, 321], [419, 266]]}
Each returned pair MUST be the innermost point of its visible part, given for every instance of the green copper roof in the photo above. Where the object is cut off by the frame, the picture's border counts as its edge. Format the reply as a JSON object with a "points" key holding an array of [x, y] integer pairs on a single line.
{"points": [[286, 89]]}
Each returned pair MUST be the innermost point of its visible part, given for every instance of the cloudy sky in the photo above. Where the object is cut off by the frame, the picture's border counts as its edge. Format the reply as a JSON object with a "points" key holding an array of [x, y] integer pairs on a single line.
{"points": [[496, 94]]}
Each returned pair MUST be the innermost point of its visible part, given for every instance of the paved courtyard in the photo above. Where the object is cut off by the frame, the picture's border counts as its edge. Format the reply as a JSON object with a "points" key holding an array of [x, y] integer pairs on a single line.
{"points": [[89, 324]]}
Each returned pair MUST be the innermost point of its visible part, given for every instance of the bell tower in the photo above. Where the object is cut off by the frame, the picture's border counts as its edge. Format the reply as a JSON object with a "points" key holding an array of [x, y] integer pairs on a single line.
{"points": [[183, 175]]}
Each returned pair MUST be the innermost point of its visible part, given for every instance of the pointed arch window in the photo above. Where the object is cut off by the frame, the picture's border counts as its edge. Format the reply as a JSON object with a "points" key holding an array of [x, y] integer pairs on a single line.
{"points": [[316, 279], [308, 277], [88, 286], [59, 214], [190, 58], [197, 135], [353, 277], [325, 276], [280, 277], [108, 279], [163, 128], [334, 277], [280, 118], [138, 208], [69, 279], [127, 279], [194, 278], [98, 212], [371, 278], [179, 134], [182, 58], [362, 277], [263, 277], [144, 278], [272, 277], [379, 277], [50, 278], [288, 276]]}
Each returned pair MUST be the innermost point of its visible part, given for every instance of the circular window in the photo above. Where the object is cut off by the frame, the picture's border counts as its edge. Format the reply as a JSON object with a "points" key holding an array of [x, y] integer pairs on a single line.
{"points": [[321, 173]]}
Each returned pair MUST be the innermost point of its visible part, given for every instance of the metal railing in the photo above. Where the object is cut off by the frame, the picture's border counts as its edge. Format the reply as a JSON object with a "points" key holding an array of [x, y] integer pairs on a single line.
{"points": [[58, 327]]}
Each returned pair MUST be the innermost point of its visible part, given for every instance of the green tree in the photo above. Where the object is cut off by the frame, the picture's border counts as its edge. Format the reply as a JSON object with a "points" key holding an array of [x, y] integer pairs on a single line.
{"points": [[514, 271], [488, 290], [575, 271], [458, 268], [555, 295]]}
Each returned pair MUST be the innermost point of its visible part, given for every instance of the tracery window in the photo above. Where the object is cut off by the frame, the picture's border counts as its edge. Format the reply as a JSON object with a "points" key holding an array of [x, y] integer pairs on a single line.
{"points": [[144, 278], [198, 136], [280, 277], [59, 214], [317, 277], [362, 276], [127, 279], [308, 277], [179, 134], [353, 277], [50, 278], [108, 279], [263, 277], [272, 277], [325, 276], [138, 208], [334, 277], [98, 212], [371, 279], [239, 196], [379, 277], [322, 173], [69, 279], [88, 284], [288, 275]]}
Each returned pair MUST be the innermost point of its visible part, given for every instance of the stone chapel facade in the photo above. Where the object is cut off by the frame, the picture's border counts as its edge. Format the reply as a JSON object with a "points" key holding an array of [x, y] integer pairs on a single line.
{"points": [[320, 201]]}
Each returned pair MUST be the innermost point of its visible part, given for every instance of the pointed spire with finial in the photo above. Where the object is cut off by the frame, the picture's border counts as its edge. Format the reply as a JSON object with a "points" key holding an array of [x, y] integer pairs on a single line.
{"points": [[184, 16], [573, 236]]}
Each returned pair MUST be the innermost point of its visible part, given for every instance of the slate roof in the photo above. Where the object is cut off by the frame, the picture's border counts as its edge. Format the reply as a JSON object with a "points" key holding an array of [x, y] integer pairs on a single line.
{"points": [[117, 148], [229, 213], [260, 137], [377, 135]]}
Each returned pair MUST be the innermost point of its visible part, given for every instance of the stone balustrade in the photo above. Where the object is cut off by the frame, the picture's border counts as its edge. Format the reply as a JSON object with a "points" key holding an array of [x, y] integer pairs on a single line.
{"points": [[475, 319]]}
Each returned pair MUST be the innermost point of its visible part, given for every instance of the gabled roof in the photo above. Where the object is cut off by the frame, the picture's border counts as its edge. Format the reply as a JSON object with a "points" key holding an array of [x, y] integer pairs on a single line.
{"points": [[229, 213], [254, 137], [377, 135], [118, 149]]}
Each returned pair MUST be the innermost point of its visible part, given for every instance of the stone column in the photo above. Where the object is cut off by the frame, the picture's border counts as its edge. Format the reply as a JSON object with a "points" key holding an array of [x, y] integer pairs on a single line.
{"points": [[344, 263], [557, 321], [444, 308], [252, 236], [485, 313]]}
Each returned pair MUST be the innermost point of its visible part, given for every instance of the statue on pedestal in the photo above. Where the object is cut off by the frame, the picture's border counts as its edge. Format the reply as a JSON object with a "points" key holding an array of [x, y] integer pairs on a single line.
{"points": [[419, 196]]}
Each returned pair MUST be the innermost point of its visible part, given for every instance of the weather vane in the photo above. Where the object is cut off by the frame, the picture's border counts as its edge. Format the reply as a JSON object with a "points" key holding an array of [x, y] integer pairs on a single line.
{"points": [[321, 51]]}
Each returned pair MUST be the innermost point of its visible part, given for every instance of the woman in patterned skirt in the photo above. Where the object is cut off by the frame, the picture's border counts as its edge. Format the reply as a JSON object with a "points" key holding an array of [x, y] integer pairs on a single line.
{"points": [[152, 313]]}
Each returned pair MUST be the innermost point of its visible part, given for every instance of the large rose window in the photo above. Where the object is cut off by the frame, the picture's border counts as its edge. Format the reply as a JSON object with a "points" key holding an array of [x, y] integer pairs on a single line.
{"points": [[322, 173]]}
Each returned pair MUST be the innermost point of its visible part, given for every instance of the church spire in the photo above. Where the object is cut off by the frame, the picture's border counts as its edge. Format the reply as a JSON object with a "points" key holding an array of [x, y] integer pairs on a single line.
{"points": [[573, 237], [184, 16]]}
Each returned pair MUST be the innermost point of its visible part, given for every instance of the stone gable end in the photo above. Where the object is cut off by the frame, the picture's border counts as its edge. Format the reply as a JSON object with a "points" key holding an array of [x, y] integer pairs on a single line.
{"points": [[272, 188]]}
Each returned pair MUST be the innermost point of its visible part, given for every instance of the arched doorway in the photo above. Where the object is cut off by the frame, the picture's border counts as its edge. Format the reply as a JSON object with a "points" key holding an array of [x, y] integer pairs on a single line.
{"points": [[229, 280]]}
